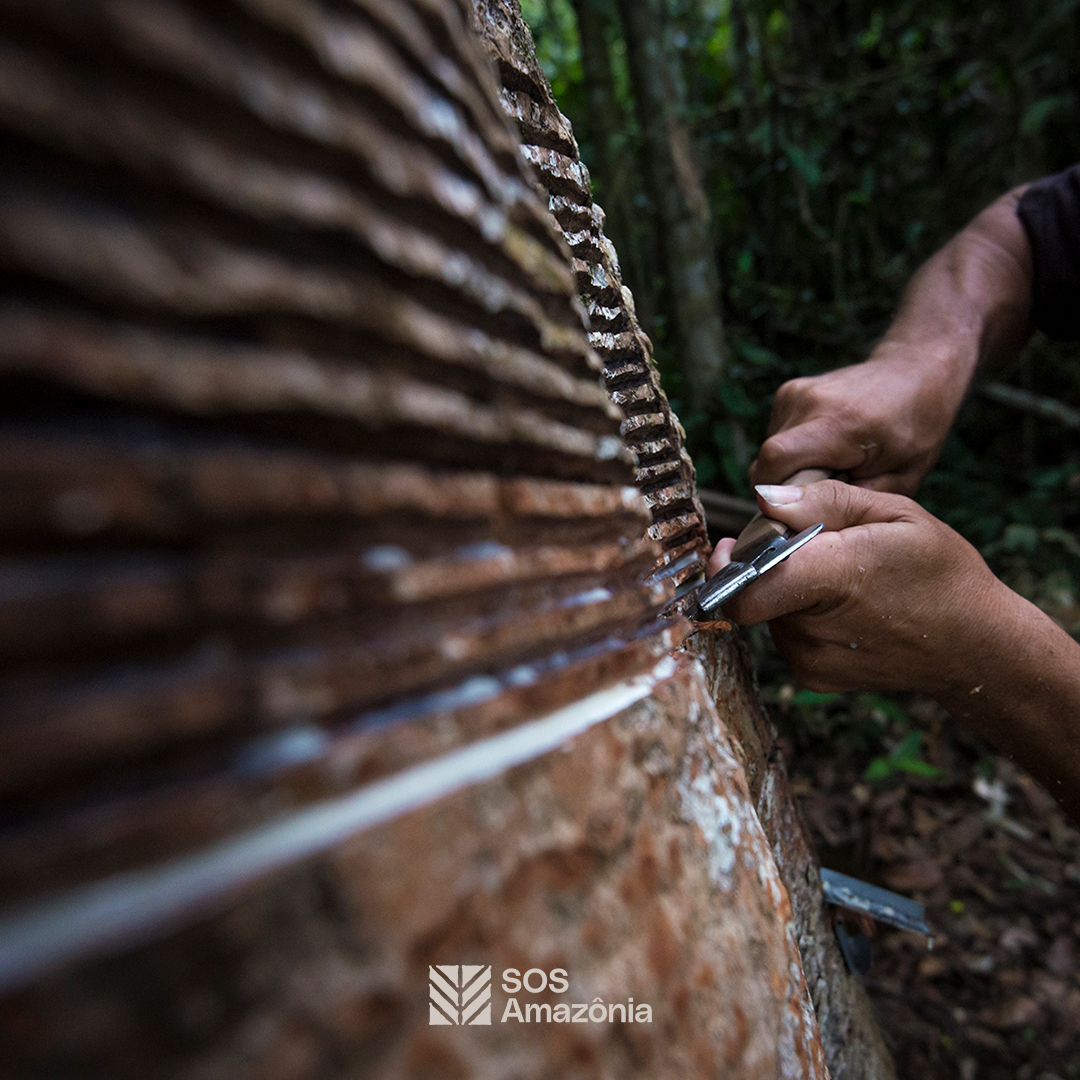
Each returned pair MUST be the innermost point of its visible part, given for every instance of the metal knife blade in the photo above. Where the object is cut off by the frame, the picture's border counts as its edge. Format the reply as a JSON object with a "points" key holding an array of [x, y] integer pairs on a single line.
{"points": [[761, 558], [888, 907]]}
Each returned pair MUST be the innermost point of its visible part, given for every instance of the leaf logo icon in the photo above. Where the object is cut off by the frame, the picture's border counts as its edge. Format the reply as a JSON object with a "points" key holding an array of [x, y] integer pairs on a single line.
{"points": [[459, 994]]}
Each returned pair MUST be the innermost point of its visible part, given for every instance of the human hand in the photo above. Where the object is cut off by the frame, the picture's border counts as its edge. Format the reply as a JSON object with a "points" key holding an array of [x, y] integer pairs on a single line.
{"points": [[887, 598], [883, 422]]}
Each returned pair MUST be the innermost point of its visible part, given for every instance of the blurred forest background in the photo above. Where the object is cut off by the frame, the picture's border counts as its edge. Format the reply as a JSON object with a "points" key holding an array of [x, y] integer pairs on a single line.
{"points": [[773, 171]]}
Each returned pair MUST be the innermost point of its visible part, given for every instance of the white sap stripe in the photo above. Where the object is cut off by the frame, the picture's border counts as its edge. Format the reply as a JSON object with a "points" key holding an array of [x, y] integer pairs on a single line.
{"points": [[136, 906]]}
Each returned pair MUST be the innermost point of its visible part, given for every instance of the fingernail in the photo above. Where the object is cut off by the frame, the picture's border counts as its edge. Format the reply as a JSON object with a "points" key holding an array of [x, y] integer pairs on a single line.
{"points": [[779, 494]]}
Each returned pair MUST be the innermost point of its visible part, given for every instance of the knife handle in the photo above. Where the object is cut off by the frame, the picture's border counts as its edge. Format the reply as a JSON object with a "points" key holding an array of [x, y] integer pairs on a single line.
{"points": [[761, 526]]}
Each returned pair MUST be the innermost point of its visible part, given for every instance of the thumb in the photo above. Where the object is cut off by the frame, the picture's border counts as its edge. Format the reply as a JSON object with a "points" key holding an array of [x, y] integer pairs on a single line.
{"points": [[838, 505], [822, 573]]}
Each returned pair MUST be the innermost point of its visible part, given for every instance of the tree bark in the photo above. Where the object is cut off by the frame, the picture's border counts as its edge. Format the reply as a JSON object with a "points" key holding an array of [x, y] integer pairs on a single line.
{"points": [[675, 177]]}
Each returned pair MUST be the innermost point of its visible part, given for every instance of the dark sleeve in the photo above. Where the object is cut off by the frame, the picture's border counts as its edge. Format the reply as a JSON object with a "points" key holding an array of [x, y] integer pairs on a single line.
{"points": [[1050, 213]]}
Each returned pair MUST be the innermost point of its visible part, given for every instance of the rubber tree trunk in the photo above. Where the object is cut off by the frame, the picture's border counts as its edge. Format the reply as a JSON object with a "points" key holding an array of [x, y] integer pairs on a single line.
{"points": [[679, 196]]}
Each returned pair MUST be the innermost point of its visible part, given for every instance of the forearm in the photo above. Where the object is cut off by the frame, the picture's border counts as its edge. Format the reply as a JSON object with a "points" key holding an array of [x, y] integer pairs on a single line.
{"points": [[969, 305], [1021, 692]]}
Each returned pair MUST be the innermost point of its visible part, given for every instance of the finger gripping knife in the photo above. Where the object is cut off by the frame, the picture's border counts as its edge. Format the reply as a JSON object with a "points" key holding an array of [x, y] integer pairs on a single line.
{"points": [[738, 574], [763, 544]]}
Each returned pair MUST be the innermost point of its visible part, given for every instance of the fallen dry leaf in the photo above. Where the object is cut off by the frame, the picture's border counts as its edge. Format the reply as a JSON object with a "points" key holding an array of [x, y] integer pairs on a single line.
{"points": [[987, 1039], [1050, 991], [932, 967], [1017, 938], [917, 874], [1003, 980], [882, 847], [923, 821], [1061, 956], [959, 837], [1020, 1012]]}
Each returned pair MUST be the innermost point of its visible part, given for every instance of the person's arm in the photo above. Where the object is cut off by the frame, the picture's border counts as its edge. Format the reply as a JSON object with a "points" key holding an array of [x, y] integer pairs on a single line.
{"points": [[884, 421], [892, 598]]}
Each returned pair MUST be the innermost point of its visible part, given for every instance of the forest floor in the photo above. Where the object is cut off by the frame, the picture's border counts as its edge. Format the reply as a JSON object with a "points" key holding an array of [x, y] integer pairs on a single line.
{"points": [[986, 850]]}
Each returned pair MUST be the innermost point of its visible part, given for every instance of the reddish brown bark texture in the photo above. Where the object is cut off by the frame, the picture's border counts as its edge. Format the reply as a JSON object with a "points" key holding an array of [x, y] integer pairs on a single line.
{"points": [[329, 647]]}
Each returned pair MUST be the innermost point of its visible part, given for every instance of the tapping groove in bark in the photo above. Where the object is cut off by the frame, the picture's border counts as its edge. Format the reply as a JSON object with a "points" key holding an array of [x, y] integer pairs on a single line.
{"points": [[303, 418], [852, 1042], [665, 473], [328, 647]]}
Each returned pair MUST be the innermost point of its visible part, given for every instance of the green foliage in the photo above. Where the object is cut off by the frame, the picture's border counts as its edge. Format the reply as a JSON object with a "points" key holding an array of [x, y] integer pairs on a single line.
{"points": [[558, 48], [842, 142], [903, 757], [1021, 514], [873, 728]]}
